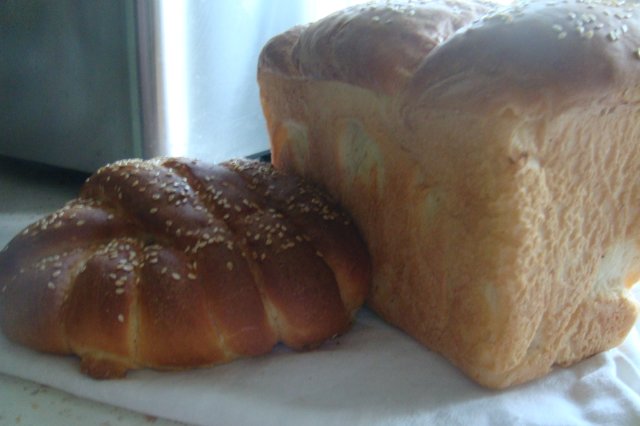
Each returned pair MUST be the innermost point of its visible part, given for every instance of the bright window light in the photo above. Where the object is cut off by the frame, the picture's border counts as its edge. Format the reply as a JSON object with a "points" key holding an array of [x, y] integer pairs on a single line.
{"points": [[173, 52]]}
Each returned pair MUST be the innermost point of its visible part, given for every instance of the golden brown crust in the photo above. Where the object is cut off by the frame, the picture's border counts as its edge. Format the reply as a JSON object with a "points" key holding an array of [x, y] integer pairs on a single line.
{"points": [[546, 54], [398, 37], [429, 48], [170, 263], [493, 180], [336, 239]]}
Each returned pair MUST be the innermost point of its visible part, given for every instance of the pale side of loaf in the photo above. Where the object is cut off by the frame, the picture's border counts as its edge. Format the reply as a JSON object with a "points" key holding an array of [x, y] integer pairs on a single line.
{"points": [[490, 157], [172, 264]]}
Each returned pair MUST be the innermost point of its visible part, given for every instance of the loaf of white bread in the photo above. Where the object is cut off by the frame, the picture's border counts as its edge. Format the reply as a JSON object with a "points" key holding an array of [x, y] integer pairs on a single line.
{"points": [[490, 155], [174, 264]]}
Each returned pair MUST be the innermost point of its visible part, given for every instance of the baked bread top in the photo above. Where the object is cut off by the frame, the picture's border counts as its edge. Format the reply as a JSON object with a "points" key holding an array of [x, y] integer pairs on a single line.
{"points": [[459, 54]]}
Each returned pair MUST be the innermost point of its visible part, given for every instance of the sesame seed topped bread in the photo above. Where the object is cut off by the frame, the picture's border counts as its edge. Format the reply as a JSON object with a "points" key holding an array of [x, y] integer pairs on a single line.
{"points": [[171, 264], [489, 155]]}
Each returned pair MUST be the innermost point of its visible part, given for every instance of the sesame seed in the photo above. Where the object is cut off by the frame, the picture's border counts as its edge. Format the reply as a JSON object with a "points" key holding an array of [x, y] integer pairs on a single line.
{"points": [[51, 285], [230, 266], [191, 276], [613, 35], [56, 273], [80, 223], [562, 35], [588, 34], [176, 276], [156, 196], [153, 210], [120, 318], [637, 53], [119, 291]]}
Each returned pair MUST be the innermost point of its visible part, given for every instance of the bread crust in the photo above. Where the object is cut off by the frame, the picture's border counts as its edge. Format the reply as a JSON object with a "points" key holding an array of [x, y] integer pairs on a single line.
{"points": [[493, 179], [172, 263]]}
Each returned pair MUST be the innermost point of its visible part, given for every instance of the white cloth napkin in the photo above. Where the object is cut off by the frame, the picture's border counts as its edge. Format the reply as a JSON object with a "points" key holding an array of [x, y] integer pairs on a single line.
{"points": [[373, 375]]}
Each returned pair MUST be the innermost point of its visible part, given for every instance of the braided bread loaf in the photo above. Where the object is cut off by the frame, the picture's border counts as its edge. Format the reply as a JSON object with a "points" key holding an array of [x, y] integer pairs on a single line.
{"points": [[171, 263]]}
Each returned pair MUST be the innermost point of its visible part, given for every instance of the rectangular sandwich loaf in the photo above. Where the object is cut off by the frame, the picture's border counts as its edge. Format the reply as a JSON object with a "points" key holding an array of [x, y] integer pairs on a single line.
{"points": [[490, 155]]}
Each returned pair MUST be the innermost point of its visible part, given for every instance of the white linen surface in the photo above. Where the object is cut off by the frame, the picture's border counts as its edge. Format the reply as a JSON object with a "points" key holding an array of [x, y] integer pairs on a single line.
{"points": [[373, 375]]}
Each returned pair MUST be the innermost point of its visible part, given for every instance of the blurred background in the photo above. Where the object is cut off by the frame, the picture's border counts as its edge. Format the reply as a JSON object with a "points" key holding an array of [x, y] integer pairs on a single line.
{"points": [[87, 82]]}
